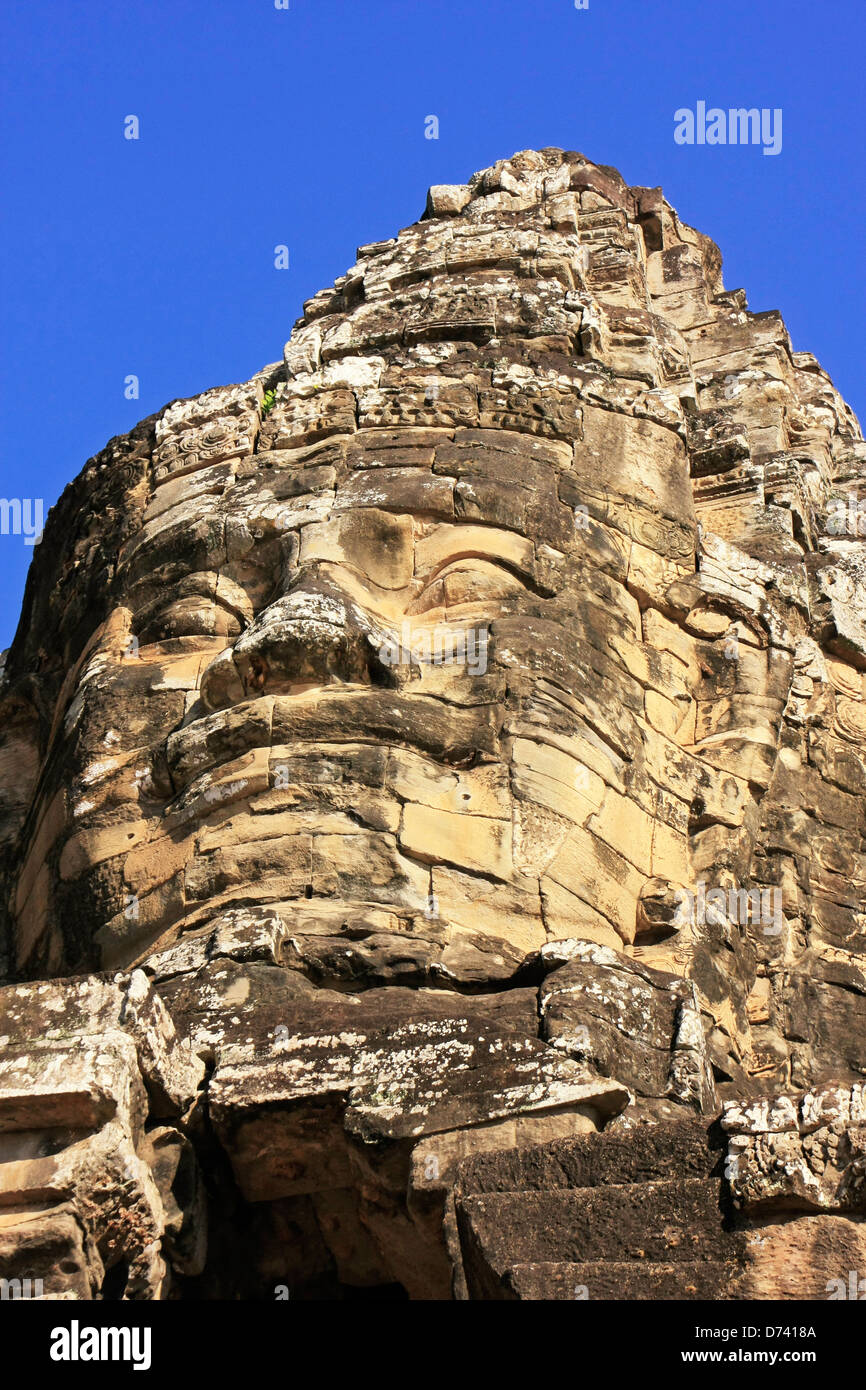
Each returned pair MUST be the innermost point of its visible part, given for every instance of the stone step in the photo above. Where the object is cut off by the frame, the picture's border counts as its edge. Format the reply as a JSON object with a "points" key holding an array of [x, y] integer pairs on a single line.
{"points": [[639, 1154], [669, 1222], [624, 1280]]}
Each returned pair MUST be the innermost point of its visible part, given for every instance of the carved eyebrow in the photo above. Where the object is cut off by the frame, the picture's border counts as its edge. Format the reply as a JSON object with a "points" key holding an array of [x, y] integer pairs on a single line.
{"points": [[448, 544]]}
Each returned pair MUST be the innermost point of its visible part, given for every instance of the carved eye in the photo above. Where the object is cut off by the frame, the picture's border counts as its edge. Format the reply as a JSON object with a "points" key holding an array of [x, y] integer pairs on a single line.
{"points": [[468, 582], [190, 617]]}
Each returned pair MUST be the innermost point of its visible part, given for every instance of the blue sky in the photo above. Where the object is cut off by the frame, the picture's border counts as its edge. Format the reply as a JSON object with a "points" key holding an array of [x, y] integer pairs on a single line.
{"points": [[305, 127]]}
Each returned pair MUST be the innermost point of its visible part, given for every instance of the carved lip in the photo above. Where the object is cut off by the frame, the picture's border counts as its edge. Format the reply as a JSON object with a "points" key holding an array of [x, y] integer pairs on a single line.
{"points": [[456, 735], [261, 925]]}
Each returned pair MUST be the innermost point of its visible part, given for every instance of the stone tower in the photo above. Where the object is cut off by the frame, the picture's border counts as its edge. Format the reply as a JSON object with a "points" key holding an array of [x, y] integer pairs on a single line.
{"points": [[432, 794]]}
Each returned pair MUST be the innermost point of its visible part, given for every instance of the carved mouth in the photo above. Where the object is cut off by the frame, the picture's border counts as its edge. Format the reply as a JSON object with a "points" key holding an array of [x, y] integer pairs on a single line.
{"points": [[456, 736]]}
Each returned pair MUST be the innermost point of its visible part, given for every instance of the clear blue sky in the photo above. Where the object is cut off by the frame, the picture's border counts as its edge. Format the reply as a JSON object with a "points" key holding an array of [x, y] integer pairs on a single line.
{"points": [[261, 126]]}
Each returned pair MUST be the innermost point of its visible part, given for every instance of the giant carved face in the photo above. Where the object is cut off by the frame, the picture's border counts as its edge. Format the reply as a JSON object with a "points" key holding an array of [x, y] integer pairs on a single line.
{"points": [[384, 677], [412, 639]]}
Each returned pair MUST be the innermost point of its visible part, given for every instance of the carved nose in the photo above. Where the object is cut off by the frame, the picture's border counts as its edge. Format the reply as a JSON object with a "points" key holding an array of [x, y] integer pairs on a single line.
{"points": [[313, 635]]}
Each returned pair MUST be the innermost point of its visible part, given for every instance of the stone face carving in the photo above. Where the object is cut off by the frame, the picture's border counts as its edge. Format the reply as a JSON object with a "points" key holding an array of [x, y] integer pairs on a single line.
{"points": [[449, 741]]}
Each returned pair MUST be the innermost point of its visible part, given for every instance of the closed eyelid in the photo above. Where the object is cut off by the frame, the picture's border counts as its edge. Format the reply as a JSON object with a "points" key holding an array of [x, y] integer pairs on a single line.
{"points": [[203, 604], [192, 616], [467, 564], [468, 583]]}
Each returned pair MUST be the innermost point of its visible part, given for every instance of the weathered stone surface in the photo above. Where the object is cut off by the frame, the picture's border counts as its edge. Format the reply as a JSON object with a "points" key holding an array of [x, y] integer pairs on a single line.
{"points": [[806, 1151], [87, 1179], [625, 1020], [455, 739]]}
